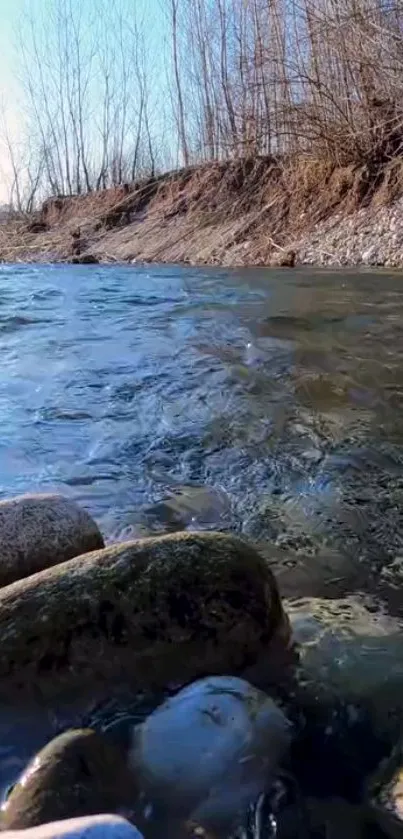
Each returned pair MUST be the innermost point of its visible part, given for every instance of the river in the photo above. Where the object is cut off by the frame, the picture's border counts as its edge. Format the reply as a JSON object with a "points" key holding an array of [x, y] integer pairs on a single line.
{"points": [[121, 385], [265, 402]]}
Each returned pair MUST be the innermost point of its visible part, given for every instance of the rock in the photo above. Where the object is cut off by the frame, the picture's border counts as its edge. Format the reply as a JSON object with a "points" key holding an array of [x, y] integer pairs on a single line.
{"points": [[202, 506], [79, 773], [372, 255], [342, 528], [209, 752], [93, 827], [349, 688], [85, 259], [38, 531], [283, 259], [143, 614], [350, 649], [306, 561], [385, 794]]}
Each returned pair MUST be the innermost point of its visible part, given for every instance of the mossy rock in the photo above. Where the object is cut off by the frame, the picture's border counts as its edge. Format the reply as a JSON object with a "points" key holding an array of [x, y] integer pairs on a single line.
{"points": [[79, 773], [145, 614], [38, 531]]}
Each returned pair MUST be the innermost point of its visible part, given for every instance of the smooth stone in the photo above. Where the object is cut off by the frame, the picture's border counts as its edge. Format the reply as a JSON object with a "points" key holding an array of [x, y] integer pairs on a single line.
{"points": [[79, 773], [209, 752], [39, 531], [148, 615], [92, 827]]}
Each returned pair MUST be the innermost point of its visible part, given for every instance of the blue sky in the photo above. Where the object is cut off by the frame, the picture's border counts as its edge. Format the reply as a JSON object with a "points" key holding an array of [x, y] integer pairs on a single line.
{"points": [[9, 92], [11, 97], [9, 15]]}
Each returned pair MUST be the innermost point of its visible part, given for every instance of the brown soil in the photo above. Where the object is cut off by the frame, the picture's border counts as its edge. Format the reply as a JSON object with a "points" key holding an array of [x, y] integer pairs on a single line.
{"points": [[245, 212]]}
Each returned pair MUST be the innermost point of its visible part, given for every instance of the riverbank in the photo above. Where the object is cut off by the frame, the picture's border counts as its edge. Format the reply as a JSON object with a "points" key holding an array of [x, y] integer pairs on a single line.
{"points": [[249, 212]]}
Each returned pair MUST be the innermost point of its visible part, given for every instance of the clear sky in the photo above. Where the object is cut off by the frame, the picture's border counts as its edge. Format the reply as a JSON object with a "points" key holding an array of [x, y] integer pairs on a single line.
{"points": [[11, 94], [9, 87]]}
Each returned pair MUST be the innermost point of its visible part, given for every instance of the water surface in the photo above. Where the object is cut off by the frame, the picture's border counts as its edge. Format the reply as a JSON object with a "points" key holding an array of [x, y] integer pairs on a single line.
{"points": [[120, 384], [271, 399]]}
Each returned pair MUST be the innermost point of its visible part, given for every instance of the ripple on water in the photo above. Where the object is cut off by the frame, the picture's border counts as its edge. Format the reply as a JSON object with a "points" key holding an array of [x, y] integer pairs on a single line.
{"points": [[144, 392]]}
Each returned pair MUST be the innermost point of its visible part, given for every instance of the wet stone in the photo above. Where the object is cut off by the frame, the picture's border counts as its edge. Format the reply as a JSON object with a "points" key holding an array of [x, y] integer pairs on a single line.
{"points": [[148, 615], [208, 753], [79, 773], [40, 531]]}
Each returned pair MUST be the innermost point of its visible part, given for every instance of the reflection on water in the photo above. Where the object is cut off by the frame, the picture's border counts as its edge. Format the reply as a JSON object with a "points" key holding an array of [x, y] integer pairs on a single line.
{"points": [[254, 400]]}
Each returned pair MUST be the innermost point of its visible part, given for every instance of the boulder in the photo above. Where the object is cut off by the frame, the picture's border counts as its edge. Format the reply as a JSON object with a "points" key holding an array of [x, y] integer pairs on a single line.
{"points": [[348, 688], [350, 650], [207, 754], [38, 531], [148, 614], [79, 773], [93, 827]]}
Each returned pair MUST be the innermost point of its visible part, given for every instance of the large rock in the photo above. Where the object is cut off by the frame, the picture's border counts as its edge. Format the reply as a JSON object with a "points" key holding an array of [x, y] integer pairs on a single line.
{"points": [[79, 773], [145, 614], [207, 754], [92, 827], [38, 531], [349, 686], [350, 650]]}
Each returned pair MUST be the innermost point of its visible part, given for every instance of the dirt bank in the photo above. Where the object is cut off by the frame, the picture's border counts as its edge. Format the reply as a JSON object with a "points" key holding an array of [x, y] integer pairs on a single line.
{"points": [[247, 212]]}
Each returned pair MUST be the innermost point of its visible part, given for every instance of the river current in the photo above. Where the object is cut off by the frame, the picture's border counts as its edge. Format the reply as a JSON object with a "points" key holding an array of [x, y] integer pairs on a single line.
{"points": [[263, 402]]}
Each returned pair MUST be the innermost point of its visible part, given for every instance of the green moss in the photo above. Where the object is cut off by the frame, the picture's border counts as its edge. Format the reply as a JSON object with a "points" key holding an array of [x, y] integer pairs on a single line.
{"points": [[172, 607]]}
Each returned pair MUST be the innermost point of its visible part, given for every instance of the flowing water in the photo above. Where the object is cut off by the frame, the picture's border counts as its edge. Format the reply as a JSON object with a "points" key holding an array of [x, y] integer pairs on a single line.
{"points": [[264, 402]]}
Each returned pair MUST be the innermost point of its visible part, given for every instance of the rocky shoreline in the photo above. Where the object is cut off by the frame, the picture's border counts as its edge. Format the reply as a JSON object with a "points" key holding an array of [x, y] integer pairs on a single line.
{"points": [[370, 237], [277, 708], [236, 213]]}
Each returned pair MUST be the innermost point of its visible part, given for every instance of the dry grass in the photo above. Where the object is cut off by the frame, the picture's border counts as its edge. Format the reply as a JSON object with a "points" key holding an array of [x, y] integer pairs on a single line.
{"points": [[244, 210]]}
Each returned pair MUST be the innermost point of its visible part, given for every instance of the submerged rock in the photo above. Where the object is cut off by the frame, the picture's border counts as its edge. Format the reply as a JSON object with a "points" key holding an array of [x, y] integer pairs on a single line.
{"points": [[209, 752], [92, 827], [144, 614], [190, 505], [38, 531], [79, 773], [349, 689]]}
